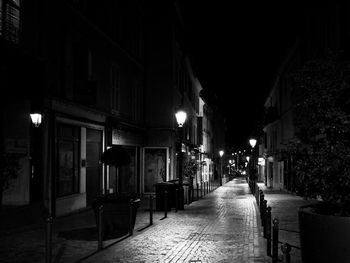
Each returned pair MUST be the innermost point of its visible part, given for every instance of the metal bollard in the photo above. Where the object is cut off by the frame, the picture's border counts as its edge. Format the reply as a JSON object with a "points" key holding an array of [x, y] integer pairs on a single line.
{"points": [[261, 205], [263, 220], [48, 250], [188, 195], [197, 191], [275, 241], [131, 225], [176, 200], [192, 193], [151, 210], [268, 230], [201, 189], [99, 228], [286, 248], [165, 204]]}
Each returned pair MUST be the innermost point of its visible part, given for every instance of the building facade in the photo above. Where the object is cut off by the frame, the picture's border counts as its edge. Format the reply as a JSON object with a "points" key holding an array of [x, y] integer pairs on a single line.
{"points": [[323, 27], [101, 76]]}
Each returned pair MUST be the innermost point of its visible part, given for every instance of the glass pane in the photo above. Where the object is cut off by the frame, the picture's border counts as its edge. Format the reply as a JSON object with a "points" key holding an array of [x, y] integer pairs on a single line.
{"points": [[127, 174], [65, 168], [68, 174]]}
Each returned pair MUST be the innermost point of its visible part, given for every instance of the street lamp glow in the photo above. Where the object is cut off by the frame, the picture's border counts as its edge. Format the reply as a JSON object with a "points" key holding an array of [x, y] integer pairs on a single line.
{"points": [[252, 142], [248, 158], [36, 119], [181, 117], [221, 153]]}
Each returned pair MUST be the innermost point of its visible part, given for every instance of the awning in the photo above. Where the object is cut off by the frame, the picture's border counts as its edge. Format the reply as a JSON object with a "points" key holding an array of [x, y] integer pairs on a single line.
{"points": [[116, 155]]}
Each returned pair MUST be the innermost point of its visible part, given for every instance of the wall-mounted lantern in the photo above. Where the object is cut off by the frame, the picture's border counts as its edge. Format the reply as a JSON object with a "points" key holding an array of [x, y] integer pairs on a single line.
{"points": [[36, 118]]}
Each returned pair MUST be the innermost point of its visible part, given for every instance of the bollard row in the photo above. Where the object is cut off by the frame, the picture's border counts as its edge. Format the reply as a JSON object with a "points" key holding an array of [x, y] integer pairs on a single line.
{"points": [[270, 231]]}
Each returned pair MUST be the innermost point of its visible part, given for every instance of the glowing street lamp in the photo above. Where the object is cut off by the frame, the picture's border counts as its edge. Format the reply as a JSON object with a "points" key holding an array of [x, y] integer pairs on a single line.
{"points": [[221, 153], [181, 117], [252, 142], [36, 119], [252, 173]]}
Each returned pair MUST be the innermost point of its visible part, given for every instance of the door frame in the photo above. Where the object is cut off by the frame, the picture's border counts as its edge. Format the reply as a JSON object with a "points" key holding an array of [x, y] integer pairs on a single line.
{"points": [[83, 126], [143, 165]]}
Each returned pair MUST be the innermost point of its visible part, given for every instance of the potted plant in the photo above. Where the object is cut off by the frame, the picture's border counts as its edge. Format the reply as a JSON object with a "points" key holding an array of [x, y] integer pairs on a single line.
{"points": [[116, 218], [321, 157], [9, 170]]}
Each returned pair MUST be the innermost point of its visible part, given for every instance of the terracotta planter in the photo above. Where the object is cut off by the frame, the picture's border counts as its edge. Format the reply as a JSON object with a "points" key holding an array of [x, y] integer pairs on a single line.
{"points": [[323, 238]]}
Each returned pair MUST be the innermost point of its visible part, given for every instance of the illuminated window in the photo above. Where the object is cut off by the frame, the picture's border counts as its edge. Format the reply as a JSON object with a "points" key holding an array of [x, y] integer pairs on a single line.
{"points": [[10, 19]]}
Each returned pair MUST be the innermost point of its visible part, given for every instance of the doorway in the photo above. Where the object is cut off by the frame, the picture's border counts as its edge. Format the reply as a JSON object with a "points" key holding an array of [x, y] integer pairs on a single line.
{"points": [[93, 165]]}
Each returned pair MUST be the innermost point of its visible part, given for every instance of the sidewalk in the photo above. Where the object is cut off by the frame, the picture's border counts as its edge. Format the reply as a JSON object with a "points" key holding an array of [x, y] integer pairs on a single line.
{"points": [[284, 207], [224, 226]]}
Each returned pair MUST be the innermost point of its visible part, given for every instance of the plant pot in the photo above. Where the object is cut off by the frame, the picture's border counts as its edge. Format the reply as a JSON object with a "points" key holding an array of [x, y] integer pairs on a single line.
{"points": [[116, 214], [323, 238]]}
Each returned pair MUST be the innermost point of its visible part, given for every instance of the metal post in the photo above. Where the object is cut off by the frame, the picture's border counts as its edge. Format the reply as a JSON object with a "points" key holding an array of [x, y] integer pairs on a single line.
{"points": [[201, 189], [192, 193], [131, 225], [264, 217], [99, 227], [262, 199], [187, 195], [165, 204], [275, 241], [286, 248], [268, 230], [176, 199], [197, 191], [48, 251], [151, 210], [263, 220]]}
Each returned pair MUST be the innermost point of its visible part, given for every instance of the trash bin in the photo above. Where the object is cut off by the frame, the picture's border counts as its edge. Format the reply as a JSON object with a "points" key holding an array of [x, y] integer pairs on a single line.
{"points": [[116, 214], [160, 195]]}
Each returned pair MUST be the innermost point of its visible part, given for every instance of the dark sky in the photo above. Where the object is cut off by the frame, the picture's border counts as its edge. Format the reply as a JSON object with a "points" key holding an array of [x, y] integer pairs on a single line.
{"points": [[237, 48]]}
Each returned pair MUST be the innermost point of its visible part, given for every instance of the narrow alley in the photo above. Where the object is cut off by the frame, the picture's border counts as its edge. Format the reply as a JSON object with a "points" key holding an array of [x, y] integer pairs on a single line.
{"points": [[222, 227]]}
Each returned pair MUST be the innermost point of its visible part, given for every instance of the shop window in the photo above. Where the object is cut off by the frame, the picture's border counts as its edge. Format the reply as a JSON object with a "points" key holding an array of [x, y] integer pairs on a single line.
{"points": [[68, 156]]}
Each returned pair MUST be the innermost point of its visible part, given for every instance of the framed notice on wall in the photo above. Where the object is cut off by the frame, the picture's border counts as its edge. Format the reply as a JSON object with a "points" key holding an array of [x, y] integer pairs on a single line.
{"points": [[155, 167]]}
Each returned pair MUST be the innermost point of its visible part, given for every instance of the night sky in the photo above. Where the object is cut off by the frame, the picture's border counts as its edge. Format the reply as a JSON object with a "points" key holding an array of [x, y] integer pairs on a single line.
{"points": [[237, 48]]}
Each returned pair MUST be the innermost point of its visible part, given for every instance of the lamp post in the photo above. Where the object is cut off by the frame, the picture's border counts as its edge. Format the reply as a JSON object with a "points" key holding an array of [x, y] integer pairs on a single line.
{"points": [[221, 153], [181, 117], [36, 118], [252, 173]]}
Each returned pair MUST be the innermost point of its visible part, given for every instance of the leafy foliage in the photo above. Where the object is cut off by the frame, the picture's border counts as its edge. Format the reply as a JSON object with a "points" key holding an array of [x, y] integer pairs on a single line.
{"points": [[321, 150], [9, 169], [190, 167]]}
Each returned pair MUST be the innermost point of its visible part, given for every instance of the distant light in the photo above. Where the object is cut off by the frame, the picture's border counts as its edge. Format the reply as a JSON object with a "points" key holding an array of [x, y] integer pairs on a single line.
{"points": [[252, 142], [261, 161], [36, 119], [248, 158], [181, 117], [221, 153]]}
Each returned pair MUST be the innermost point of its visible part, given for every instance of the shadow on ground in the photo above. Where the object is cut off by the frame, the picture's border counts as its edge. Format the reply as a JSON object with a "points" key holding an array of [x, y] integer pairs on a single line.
{"points": [[89, 234]]}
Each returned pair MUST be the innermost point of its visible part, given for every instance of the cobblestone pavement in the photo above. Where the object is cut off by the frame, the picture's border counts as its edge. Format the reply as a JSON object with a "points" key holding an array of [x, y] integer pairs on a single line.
{"points": [[284, 207], [222, 227]]}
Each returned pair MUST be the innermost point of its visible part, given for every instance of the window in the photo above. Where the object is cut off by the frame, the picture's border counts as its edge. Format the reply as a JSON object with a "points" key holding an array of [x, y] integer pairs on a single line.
{"points": [[68, 160], [115, 87], [10, 19]]}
